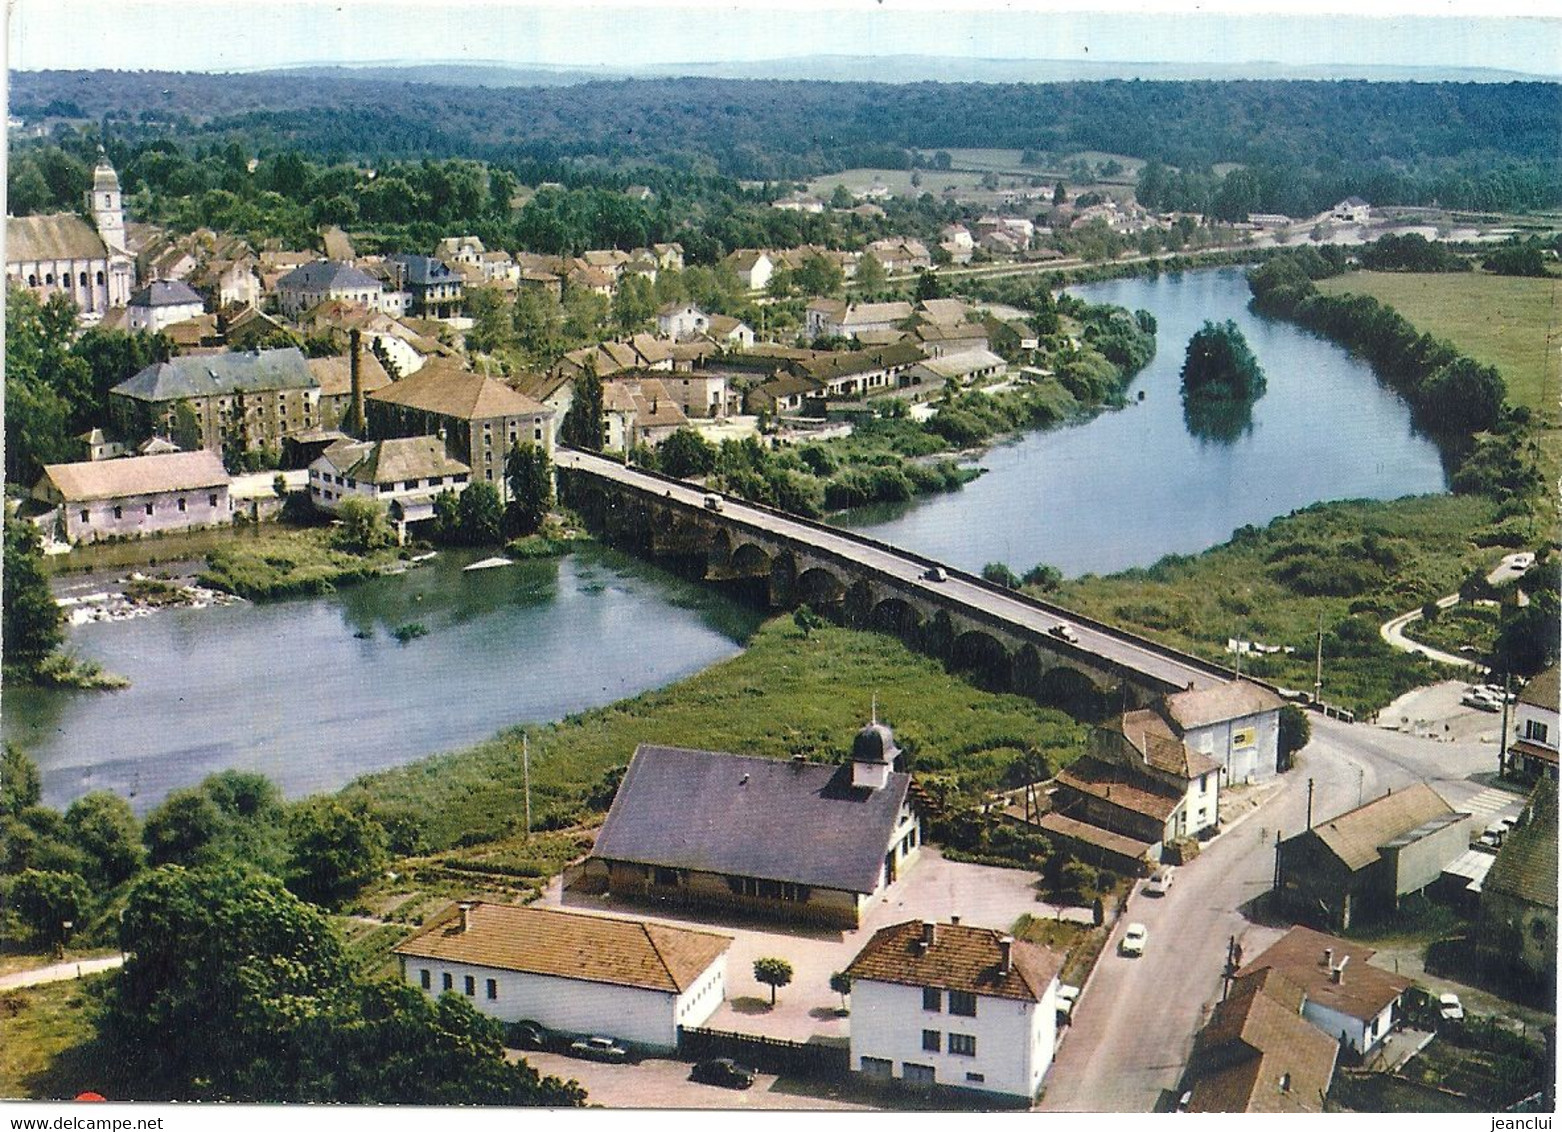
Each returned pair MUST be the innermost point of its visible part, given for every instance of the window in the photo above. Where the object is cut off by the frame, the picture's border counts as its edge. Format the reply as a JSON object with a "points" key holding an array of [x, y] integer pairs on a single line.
{"points": [[932, 999], [963, 1044], [930, 1041], [977, 1078], [447, 981], [181, 504], [1534, 729], [962, 1003], [83, 516], [425, 979], [1537, 929], [879, 1068], [211, 501], [918, 1074], [100, 279], [493, 989], [119, 512], [470, 984]]}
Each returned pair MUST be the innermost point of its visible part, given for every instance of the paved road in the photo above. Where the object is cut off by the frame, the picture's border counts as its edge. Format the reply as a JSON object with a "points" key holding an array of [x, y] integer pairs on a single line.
{"points": [[1119, 648], [59, 972], [1133, 1027], [664, 1083]]}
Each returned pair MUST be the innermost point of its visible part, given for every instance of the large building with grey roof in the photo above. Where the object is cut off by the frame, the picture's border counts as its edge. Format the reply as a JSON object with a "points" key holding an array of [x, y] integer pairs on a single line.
{"points": [[246, 401], [310, 284], [571, 973], [789, 838], [61, 253]]}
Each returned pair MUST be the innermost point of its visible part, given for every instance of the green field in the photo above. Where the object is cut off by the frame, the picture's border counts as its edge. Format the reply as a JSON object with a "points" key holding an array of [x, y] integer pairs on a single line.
{"points": [[1514, 324], [48, 1043], [786, 695]]}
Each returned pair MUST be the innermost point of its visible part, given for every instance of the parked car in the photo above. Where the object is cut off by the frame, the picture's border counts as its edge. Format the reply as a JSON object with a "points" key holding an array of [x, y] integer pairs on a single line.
{"points": [[935, 574], [1450, 1008], [599, 1049], [713, 503], [1067, 997], [723, 1071], [1134, 940], [528, 1035], [1065, 633], [1482, 699], [1160, 880]]}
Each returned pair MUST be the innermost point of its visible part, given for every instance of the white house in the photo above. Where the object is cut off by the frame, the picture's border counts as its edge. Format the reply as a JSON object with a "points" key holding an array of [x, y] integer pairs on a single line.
{"points": [[680, 320], [314, 283], [754, 268], [1351, 210], [571, 973], [405, 474], [1237, 724], [162, 303], [1345, 996], [1534, 749], [948, 1004], [833, 318]]}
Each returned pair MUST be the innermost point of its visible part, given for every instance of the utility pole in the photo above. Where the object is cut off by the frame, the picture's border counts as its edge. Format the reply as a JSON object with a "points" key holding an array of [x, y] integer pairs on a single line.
{"points": [[1309, 803], [1502, 736], [1318, 678], [526, 772]]}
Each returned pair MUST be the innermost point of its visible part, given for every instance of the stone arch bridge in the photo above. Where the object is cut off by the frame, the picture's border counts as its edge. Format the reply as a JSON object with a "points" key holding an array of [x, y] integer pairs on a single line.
{"points": [[1009, 641]]}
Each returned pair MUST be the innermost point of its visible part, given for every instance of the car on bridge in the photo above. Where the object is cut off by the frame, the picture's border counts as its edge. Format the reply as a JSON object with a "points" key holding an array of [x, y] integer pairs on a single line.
{"points": [[713, 503], [935, 574], [1065, 633]]}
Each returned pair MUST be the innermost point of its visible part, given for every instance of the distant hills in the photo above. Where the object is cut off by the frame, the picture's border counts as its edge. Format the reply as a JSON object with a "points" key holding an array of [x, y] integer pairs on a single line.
{"points": [[890, 69]]}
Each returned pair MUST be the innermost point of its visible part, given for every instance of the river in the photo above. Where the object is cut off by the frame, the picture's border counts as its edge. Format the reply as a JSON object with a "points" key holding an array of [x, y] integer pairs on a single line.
{"points": [[1130, 486], [313, 692]]}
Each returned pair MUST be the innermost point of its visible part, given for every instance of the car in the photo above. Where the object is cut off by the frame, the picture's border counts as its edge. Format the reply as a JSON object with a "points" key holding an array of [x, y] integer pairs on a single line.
{"points": [[1496, 692], [1449, 1008], [528, 1035], [935, 574], [1160, 880], [723, 1071], [713, 503], [1481, 699], [1065, 633], [599, 1049], [1067, 997], [1134, 940]]}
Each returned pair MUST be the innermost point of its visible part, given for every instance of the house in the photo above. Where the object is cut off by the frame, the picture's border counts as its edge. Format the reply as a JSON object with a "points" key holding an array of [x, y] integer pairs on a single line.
{"points": [[753, 268], [640, 352], [962, 369], [833, 318], [681, 320], [160, 304], [1518, 904], [436, 290], [1236, 723], [641, 193], [571, 973], [700, 393], [480, 418], [949, 1004], [555, 391], [1358, 865], [787, 838], [311, 284], [228, 281], [404, 473], [460, 249], [1533, 753], [198, 335], [401, 346], [863, 373], [1351, 210], [669, 257], [784, 393], [900, 255], [62, 253], [248, 327], [1138, 788], [639, 410], [1344, 996], [247, 400], [1258, 1053], [336, 383], [135, 496], [730, 333], [98, 445]]}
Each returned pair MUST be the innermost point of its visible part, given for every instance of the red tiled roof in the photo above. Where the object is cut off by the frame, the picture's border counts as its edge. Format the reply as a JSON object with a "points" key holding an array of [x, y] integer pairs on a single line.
{"points": [[960, 958]]}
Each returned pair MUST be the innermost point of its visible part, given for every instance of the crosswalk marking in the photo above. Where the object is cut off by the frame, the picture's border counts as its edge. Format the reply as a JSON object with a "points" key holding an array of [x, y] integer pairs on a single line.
{"points": [[1488, 802]]}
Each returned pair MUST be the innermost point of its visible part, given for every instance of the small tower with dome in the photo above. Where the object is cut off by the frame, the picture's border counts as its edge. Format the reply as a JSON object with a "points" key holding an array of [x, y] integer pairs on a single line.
{"points": [[106, 204], [873, 755]]}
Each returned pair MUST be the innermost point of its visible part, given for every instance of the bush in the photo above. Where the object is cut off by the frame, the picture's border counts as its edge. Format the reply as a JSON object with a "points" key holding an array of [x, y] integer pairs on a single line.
{"points": [[1000, 575]]}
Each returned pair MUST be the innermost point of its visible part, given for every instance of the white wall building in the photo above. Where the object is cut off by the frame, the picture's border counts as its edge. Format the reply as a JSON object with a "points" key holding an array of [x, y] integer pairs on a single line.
{"points": [[948, 1004], [680, 320], [574, 974], [161, 303], [1537, 727], [63, 253], [1236, 724]]}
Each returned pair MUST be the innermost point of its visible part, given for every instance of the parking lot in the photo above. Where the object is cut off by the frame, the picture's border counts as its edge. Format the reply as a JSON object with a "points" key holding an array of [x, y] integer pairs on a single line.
{"points": [[664, 1083]]}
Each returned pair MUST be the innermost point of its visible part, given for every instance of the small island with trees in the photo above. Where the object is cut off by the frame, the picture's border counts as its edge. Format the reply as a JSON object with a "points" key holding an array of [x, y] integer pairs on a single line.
{"points": [[1220, 366]]}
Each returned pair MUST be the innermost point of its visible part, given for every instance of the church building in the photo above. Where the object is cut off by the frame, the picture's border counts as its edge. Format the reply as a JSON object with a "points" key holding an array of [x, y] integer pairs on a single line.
{"points": [[63, 253]]}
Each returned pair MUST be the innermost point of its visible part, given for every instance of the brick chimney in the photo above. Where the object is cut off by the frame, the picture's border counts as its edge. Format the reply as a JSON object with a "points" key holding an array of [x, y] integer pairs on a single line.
{"points": [[1337, 974], [466, 907], [928, 937], [354, 364], [1005, 955]]}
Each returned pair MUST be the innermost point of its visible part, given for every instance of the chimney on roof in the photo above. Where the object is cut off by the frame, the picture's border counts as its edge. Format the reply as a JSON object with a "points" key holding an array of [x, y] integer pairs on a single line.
{"points": [[466, 907], [955, 919], [1337, 974], [1005, 955], [1328, 957], [929, 935]]}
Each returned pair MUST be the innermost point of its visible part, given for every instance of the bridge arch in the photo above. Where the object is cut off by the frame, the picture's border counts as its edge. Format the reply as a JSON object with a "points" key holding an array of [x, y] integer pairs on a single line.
{"points": [[1074, 692], [897, 616], [985, 657], [820, 588], [751, 560]]}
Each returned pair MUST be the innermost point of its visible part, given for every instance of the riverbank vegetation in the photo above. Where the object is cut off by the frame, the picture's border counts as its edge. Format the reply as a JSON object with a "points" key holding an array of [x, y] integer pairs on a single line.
{"points": [[33, 624], [285, 562]]}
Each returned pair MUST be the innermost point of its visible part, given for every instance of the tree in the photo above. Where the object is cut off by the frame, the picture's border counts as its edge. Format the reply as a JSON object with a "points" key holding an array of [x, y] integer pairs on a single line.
{"points": [[183, 830], [1043, 577], [841, 198], [807, 620], [870, 273], [686, 453], [1219, 366], [774, 973], [584, 425], [1059, 194], [103, 826], [1296, 731], [365, 527], [480, 515], [841, 984], [31, 618], [493, 324], [929, 286], [820, 276], [20, 784], [1000, 575], [333, 851], [47, 901], [634, 303], [529, 475]]}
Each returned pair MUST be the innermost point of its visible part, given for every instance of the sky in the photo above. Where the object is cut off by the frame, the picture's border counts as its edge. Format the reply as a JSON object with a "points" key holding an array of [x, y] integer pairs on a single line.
{"points": [[223, 35]]}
